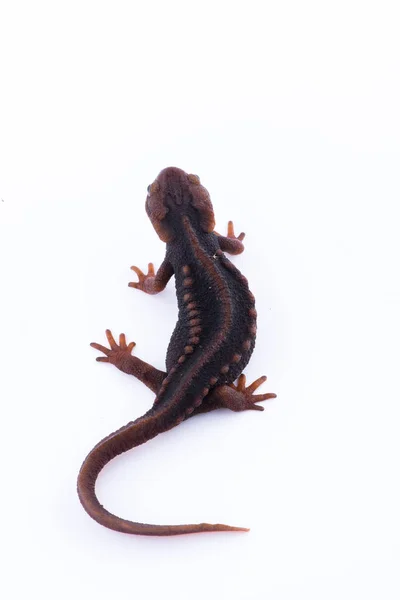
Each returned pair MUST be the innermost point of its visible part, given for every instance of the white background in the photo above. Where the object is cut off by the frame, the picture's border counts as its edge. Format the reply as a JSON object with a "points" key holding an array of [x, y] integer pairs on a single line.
{"points": [[289, 112]]}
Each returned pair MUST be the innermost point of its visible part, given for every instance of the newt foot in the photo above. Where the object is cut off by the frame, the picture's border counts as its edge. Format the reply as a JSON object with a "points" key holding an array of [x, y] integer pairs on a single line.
{"points": [[231, 233], [115, 354], [248, 399], [146, 281]]}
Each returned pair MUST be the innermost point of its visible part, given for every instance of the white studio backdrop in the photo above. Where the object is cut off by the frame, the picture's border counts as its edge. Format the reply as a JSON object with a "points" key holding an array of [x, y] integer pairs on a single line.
{"points": [[288, 112]]}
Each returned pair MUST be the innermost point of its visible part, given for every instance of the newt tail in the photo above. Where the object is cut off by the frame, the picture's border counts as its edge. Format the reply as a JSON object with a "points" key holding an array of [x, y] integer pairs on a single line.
{"points": [[133, 435]]}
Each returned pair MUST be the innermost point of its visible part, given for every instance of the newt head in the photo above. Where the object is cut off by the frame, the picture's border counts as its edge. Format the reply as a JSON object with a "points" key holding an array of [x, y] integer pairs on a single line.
{"points": [[173, 195]]}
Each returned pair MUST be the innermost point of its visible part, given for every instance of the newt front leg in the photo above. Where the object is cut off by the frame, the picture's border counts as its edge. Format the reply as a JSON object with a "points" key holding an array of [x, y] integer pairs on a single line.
{"points": [[231, 243], [153, 283]]}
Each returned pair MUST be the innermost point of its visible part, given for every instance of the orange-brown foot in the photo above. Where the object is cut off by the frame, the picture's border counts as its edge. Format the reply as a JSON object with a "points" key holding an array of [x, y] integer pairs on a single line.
{"points": [[146, 283], [230, 243], [235, 397], [120, 356], [231, 233], [247, 400], [117, 354]]}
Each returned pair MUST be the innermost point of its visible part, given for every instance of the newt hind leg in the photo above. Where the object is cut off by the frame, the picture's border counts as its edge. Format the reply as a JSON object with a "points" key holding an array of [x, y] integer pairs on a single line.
{"points": [[235, 397], [120, 356]]}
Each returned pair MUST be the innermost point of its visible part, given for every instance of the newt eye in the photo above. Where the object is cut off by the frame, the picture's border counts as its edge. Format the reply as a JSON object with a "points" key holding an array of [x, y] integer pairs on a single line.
{"points": [[148, 189], [194, 179]]}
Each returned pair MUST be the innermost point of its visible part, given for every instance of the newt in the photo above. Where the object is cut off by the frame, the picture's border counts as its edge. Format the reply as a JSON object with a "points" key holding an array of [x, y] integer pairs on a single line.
{"points": [[212, 342]]}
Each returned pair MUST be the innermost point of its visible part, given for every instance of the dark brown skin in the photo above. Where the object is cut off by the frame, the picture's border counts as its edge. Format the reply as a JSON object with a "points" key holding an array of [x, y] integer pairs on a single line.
{"points": [[210, 346]]}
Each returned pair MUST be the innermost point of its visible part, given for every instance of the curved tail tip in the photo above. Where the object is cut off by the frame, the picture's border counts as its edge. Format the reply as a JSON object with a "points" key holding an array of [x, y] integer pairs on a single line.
{"points": [[227, 528]]}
